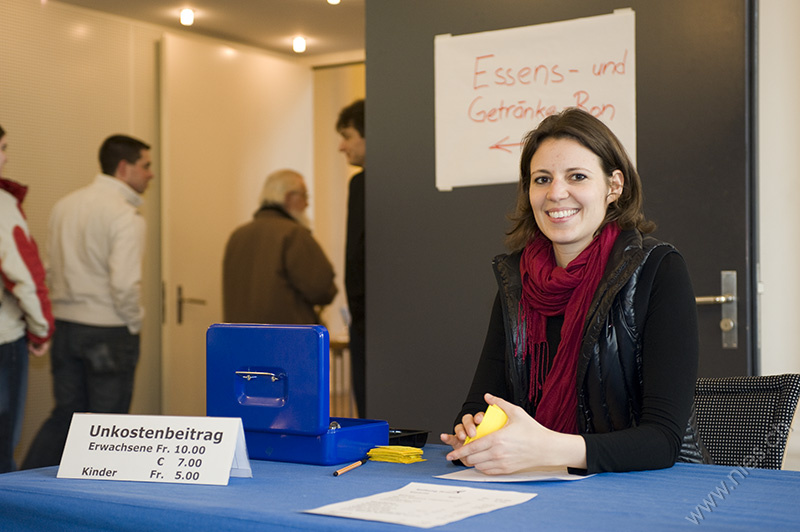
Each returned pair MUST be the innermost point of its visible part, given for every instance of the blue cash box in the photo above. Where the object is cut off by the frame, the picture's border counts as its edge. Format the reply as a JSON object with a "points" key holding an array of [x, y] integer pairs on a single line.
{"points": [[276, 378]]}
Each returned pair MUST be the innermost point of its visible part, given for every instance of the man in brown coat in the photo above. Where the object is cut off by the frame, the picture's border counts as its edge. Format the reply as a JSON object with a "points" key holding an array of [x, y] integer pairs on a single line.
{"points": [[274, 271]]}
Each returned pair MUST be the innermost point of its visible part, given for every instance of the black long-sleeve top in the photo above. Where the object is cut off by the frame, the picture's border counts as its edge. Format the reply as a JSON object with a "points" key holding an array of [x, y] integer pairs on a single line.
{"points": [[669, 372], [355, 250]]}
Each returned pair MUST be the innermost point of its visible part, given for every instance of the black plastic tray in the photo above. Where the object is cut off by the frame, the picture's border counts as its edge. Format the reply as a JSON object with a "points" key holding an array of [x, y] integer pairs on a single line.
{"points": [[408, 437]]}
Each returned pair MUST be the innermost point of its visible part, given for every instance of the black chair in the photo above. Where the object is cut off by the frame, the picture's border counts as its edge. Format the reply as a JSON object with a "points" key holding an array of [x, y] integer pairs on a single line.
{"points": [[745, 421]]}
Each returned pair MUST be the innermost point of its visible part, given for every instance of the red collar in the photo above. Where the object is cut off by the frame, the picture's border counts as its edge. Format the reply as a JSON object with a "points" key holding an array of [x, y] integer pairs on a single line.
{"points": [[15, 189]]}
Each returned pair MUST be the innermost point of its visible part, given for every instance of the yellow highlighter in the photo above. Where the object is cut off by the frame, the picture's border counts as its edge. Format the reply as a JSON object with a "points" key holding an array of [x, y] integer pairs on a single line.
{"points": [[493, 419]]}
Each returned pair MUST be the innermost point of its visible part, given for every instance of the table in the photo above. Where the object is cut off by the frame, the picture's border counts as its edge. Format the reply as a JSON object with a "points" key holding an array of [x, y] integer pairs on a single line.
{"points": [[713, 497]]}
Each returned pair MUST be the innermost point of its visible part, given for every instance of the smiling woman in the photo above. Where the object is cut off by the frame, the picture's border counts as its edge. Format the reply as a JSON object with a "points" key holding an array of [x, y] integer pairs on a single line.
{"points": [[592, 345], [569, 193]]}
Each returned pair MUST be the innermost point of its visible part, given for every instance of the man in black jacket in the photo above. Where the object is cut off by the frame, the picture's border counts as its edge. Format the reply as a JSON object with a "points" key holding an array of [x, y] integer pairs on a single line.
{"points": [[350, 126]]}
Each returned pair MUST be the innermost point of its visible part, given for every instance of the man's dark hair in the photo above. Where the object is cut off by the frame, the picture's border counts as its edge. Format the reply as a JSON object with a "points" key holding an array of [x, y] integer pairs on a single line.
{"points": [[2, 132], [352, 115], [117, 148]]}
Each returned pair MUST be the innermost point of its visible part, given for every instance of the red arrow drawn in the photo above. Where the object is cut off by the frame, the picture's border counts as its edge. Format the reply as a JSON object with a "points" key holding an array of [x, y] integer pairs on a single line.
{"points": [[500, 146]]}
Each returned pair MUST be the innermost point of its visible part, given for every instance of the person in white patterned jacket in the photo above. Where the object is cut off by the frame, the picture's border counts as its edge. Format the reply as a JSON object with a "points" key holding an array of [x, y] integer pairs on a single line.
{"points": [[26, 319]]}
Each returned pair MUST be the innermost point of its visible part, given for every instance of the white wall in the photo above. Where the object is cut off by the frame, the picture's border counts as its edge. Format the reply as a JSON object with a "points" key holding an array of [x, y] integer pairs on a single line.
{"points": [[779, 191], [253, 116]]}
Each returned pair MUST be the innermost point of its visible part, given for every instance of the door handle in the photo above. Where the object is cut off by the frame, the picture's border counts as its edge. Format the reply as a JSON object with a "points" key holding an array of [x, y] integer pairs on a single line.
{"points": [[189, 300], [727, 301], [714, 300]]}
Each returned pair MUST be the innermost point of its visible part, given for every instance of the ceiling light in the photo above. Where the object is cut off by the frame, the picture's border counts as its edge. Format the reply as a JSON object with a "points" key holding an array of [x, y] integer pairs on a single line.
{"points": [[333, 2], [299, 45], [187, 17]]}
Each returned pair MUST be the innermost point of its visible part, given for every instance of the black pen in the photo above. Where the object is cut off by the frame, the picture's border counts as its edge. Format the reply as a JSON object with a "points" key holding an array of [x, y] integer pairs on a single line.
{"points": [[351, 466]]}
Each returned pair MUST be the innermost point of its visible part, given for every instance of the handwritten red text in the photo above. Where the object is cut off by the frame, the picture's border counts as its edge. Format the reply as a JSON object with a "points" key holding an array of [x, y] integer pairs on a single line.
{"points": [[481, 111], [487, 73]]}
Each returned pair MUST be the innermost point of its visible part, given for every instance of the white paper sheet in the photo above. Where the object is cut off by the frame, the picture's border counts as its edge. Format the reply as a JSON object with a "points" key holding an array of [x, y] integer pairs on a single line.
{"points": [[424, 505], [473, 475]]}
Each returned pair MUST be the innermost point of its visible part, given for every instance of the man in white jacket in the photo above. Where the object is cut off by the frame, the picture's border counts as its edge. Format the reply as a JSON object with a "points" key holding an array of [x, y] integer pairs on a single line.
{"points": [[95, 248], [26, 321]]}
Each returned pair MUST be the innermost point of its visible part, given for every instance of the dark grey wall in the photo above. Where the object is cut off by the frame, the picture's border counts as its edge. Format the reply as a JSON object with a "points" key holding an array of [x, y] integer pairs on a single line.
{"points": [[429, 280]]}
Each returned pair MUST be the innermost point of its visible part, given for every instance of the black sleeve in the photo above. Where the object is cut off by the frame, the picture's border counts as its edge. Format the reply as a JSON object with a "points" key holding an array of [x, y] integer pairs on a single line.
{"points": [[490, 373], [669, 371], [354, 274]]}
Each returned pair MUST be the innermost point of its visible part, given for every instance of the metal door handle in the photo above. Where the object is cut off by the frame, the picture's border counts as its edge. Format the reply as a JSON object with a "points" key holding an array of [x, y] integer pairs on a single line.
{"points": [[727, 301], [189, 300], [714, 300]]}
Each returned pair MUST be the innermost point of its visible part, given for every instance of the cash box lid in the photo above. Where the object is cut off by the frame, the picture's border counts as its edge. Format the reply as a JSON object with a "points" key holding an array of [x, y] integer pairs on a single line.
{"points": [[275, 377]]}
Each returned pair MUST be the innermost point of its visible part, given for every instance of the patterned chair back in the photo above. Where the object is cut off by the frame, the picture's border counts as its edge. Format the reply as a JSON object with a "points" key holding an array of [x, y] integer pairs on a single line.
{"points": [[745, 421]]}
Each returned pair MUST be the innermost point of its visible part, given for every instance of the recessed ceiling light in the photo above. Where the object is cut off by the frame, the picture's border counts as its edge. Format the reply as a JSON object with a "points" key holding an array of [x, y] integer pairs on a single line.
{"points": [[333, 2], [187, 17], [299, 45]]}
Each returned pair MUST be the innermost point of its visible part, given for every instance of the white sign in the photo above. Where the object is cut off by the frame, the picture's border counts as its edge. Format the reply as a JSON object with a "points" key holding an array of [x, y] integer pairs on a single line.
{"points": [[494, 87], [187, 450], [425, 505]]}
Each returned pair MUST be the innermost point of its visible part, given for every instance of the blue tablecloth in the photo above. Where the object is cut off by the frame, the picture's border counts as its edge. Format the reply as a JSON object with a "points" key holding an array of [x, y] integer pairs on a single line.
{"points": [[714, 497]]}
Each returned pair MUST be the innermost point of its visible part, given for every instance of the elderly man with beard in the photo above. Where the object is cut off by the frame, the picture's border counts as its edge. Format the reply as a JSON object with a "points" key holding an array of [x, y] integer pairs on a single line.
{"points": [[274, 271]]}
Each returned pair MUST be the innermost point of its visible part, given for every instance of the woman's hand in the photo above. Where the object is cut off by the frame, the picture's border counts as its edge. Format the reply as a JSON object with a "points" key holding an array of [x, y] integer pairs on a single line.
{"points": [[38, 350], [467, 427], [522, 444]]}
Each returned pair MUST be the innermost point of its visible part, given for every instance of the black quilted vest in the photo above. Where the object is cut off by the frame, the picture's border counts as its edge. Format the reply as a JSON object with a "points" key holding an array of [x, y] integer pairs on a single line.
{"points": [[609, 375]]}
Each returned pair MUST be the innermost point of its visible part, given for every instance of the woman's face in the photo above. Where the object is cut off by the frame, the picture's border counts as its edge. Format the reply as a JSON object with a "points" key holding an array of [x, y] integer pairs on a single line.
{"points": [[3, 156], [569, 195]]}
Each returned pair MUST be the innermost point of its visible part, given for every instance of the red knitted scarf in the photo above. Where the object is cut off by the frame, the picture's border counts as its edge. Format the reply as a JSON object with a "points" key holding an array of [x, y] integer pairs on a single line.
{"points": [[549, 290]]}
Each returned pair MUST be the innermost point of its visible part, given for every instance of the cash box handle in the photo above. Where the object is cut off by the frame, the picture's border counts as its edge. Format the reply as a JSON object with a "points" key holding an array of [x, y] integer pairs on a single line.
{"points": [[248, 375]]}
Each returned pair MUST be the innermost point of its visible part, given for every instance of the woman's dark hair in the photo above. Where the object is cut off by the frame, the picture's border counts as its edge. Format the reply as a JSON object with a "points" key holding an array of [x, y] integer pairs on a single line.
{"points": [[594, 135], [2, 132]]}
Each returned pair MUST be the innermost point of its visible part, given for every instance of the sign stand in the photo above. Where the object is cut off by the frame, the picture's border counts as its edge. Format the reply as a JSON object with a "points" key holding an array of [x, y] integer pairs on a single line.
{"points": [[186, 450]]}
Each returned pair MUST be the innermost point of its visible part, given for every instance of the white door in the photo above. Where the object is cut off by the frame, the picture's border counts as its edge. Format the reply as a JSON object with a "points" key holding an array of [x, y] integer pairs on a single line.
{"points": [[229, 117]]}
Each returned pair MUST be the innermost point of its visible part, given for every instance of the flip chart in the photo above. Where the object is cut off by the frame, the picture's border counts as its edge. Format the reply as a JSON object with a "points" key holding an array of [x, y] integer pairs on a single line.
{"points": [[492, 87]]}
